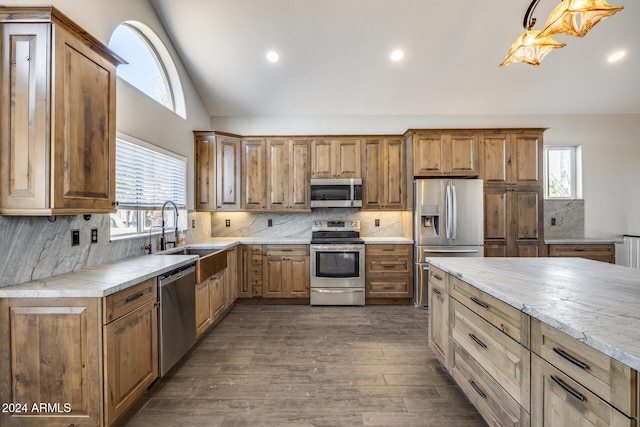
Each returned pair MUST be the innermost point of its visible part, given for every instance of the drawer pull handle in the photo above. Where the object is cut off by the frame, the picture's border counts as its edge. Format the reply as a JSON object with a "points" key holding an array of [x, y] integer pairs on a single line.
{"points": [[477, 389], [477, 340], [437, 277], [436, 291], [568, 389], [387, 250], [571, 359], [389, 266], [134, 297], [582, 250], [388, 287], [480, 302]]}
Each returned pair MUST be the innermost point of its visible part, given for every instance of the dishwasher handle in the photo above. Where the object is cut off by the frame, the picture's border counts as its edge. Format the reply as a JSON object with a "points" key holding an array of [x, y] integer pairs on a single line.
{"points": [[176, 274]]}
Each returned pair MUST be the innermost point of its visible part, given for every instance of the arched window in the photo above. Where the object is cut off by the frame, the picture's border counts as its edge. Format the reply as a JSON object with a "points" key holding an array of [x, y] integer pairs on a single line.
{"points": [[150, 68]]}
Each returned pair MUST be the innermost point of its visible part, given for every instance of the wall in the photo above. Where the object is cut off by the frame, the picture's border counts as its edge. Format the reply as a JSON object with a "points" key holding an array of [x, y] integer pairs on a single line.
{"points": [[611, 176], [34, 248]]}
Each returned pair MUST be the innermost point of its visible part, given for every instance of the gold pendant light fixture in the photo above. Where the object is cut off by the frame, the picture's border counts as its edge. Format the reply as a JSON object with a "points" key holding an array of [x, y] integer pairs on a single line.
{"points": [[571, 17]]}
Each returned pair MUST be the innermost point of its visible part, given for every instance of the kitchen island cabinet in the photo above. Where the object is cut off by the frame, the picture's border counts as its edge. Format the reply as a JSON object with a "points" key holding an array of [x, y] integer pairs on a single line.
{"points": [[569, 344], [57, 115]]}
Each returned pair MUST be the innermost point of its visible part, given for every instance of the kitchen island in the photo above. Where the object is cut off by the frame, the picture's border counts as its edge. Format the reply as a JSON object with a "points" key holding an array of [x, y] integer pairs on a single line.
{"points": [[539, 341]]}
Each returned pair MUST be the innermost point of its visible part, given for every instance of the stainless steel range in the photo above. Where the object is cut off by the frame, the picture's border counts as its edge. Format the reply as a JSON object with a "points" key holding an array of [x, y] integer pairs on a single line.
{"points": [[337, 263]]}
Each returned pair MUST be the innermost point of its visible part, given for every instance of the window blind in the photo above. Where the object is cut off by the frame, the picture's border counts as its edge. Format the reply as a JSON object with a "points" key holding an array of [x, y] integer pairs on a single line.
{"points": [[145, 178]]}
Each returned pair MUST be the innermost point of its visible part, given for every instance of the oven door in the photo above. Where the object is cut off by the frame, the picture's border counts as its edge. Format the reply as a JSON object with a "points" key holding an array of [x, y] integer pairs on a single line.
{"points": [[337, 266]]}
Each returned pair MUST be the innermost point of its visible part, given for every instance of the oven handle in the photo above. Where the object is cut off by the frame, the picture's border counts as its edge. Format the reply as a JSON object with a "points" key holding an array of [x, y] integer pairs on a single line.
{"points": [[337, 248], [337, 291]]}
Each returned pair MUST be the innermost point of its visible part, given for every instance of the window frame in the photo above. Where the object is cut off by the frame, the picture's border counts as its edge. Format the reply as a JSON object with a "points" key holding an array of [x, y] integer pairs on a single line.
{"points": [[575, 152], [141, 212]]}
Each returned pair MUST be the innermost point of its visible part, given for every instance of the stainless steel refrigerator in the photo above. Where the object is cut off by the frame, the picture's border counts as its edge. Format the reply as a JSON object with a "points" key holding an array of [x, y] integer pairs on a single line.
{"points": [[448, 221]]}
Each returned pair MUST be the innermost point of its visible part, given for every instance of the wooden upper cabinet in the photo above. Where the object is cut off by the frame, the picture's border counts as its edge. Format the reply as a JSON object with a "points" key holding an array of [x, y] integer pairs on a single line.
{"points": [[445, 154], [513, 158], [57, 112], [288, 175], [254, 170], [205, 163], [384, 175], [335, 158]]}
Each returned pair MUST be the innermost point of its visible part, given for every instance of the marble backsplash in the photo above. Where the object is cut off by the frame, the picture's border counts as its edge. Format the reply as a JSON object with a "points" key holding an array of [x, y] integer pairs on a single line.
{"points": [[33, 247], [392, 223], [569, 216]]}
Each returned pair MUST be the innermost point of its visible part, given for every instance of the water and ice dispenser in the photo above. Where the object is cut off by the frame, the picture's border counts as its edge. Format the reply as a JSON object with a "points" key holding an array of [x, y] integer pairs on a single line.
{"points": [[429, 220]]}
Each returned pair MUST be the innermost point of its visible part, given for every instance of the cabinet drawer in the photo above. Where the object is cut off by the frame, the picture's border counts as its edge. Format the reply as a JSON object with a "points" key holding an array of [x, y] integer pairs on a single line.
{"points": [[503, 358], [382, 266], [508, 319], [257, 290], [125, 301], [256, 250], [495, 404], [580, 250], [256, 260], [560, 401], [388, 250], [390, 288], [285, 250], [438, 278], [609, 379]]}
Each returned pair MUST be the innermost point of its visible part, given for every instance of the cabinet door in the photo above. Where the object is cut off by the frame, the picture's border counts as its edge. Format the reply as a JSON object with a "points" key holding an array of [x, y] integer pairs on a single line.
{"points": [[372, 178], [527, 219], [526, 160], [278, 174], [394, 174], [244, 271], [462, 155], [557, 400], [428, 154], [274, 279], [203, 307], [227, 173], [205, 191], [67, 334], [131, 359], [496, 215], [216, 284], [495, 159], [231, 277], [322, 158], [299, 174], [438, 328], [347, 158], [298, 280], [254, 172], [23, 116], [83, 144]]}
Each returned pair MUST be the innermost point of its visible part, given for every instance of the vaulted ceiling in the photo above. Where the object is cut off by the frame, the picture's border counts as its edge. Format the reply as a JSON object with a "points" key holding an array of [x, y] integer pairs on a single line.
{"points": [[335, 58]]}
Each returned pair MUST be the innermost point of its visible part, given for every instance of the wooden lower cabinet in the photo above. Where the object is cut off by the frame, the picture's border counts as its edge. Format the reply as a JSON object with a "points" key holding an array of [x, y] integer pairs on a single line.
{"points": [[217, 295], [389, 271], [203, 307], [438, 327], [231, 277], [558, 400], [286, 271]]}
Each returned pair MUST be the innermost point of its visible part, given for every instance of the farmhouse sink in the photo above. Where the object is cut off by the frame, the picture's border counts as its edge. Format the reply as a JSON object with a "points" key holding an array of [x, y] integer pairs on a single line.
{"points": [[210, 261]]}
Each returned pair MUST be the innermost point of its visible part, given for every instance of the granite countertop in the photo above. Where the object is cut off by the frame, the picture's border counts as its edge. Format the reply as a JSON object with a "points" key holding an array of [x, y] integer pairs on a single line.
{"points": [[101, 280], [583, 240], [594, 302]]}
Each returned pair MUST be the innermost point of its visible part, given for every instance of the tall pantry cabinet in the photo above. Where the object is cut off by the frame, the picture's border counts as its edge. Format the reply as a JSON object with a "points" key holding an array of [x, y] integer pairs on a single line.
{"points": [[57, 115], [511, 167]]}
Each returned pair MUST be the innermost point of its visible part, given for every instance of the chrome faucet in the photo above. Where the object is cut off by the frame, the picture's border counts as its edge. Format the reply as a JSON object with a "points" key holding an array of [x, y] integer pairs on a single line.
{"points": [[163, 241]]}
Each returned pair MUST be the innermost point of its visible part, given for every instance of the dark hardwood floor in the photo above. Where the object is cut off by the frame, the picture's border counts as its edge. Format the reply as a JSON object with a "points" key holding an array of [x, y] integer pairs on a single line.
{"points": [[286, 365]]}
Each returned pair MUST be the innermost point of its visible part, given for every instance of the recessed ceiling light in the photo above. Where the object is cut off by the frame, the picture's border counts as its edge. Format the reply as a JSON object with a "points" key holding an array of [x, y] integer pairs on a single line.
{"points": [[397, 55], [616, 56], [273, 56]]}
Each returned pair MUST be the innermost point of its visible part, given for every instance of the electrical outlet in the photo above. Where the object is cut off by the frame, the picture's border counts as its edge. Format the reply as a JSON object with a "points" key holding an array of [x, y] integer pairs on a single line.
{"points": [[227, 223], [75, 237], [377, 222], [553, 221], [94, 235], [269, 223], [193, 223]]}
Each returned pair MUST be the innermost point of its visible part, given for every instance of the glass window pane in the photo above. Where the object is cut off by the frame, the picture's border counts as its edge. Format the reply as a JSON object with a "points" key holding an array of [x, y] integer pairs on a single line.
{"points": [[144, 69], [123, 222], [560, 173]]}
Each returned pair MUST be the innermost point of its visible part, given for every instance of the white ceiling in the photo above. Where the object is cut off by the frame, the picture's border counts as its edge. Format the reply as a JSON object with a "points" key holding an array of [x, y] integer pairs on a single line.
{"points": [[335, 58]]}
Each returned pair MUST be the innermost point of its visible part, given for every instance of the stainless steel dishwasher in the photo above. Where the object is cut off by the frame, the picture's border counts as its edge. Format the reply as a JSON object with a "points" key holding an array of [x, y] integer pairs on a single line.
{"points": [[177, 329]]}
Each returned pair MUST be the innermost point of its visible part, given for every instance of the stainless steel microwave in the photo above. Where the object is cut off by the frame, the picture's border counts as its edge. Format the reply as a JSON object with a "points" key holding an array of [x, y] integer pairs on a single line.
{"points": [[336, 192]]}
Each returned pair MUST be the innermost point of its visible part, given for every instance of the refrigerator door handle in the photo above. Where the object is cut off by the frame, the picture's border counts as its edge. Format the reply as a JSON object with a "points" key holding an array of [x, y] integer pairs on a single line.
{"points": [[447, 206], [454, 213]]}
